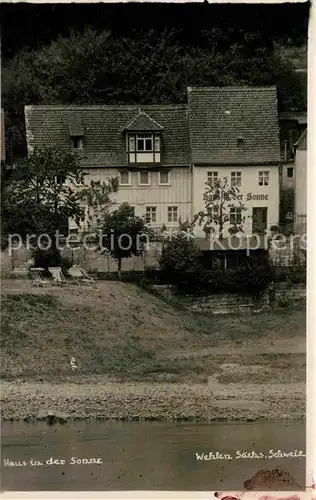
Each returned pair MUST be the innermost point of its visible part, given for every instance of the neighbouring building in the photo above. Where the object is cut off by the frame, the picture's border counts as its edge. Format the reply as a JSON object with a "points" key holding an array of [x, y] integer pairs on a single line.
{"points": [[164, 154], [234, 133], [300, 162], [292, 126]]}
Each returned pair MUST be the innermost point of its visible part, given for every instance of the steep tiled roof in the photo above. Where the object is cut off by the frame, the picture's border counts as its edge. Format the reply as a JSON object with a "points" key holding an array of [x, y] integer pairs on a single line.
{"points": [[143, 122], [219, 116], [104, 140], [228, 125]]}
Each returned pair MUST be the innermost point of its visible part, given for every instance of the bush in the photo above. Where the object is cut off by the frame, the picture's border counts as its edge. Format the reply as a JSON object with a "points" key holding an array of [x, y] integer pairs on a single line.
{"points": [[293, 275], [50, 258], [179, 265], [46, 258]]}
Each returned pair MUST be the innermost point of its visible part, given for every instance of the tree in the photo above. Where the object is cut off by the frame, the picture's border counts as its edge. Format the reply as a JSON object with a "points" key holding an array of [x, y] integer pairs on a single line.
{"points": [[97, 200], [122, 234], [220, 200], [148, 67], [42, 195], [180, 265]]}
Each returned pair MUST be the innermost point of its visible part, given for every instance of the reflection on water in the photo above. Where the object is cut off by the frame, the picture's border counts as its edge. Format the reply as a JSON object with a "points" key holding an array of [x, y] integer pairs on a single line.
{"points": [[145, 455]]}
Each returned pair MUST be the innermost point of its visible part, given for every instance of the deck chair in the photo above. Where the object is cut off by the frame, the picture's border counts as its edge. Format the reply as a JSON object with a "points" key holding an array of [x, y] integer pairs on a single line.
{"points": [[37, 277], [81, 276], [57, 275]]}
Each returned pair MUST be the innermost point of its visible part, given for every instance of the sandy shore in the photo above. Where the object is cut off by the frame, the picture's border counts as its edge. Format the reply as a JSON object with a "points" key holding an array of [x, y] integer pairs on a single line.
{"points": [[104, 399]]}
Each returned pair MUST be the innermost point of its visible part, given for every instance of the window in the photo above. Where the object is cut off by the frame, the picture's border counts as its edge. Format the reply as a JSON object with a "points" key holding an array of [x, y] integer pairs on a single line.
{"points": [[263, 178], [76, 143], [290, 172], [235, 215], [143, 148], [240, 142], [164, 177], [125, 178], [131, 143], [212, 177], [144, 142], [236, 178], [151, 214], [172, 214], [144, 178]]}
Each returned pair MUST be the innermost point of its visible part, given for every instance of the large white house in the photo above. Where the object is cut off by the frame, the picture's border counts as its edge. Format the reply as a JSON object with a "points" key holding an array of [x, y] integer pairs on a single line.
{"points": [[164, 154]]}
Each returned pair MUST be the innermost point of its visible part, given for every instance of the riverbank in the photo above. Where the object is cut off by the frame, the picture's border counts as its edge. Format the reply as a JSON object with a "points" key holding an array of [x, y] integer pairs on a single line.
{"points": [[116, 351], [106, 399]]}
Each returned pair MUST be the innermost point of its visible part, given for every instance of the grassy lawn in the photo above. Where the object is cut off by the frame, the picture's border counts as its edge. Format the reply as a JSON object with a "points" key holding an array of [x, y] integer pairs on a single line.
{"points": [[120, 330]]}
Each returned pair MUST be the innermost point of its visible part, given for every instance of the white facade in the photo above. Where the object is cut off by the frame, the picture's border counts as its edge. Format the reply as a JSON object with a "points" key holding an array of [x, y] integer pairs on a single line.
{"points": [[259, 187], [166, 195], [177, 194]]}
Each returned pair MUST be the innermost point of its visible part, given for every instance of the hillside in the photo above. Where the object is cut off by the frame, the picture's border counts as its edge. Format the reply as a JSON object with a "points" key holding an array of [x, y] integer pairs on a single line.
{"points": [[139, 358], [120, 330]]}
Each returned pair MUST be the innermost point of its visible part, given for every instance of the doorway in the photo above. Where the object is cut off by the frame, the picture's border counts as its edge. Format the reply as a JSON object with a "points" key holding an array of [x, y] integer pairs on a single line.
{"points": [[259, 220]]}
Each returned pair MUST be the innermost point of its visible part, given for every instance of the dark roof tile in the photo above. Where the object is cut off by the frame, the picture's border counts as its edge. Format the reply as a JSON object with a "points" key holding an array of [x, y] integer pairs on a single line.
{"points": [[142, 122], [218, 116], [104, 142], [75, 125]]}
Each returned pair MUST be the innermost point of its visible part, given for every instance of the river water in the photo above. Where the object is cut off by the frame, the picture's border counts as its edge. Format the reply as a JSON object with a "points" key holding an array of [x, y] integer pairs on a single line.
{"points": [[145, 455]]}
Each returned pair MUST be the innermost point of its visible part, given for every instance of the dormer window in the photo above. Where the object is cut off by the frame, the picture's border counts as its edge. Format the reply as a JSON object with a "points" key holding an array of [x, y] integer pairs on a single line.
{"points": [[144, 148], [143, 139], [76, 142]]}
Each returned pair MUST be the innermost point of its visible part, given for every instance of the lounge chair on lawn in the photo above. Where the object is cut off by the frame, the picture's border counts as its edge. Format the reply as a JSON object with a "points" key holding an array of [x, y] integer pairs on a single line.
{"points": [[81, 275], [37, 277], [58, 278]]}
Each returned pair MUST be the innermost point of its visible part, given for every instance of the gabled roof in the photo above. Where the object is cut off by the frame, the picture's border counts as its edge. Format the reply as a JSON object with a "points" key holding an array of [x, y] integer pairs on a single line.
{"points": [[219, 116], [143, 122], [104, 143], [220, 125]]}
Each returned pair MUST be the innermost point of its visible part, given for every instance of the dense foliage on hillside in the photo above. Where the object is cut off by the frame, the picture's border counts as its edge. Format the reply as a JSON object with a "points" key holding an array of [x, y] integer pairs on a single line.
{"points": [[123, 62]]}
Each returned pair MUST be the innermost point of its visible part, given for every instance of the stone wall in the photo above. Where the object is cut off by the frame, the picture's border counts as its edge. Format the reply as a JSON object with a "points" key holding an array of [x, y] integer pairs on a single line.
{"points": [[284, 291], [230, 303]]}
